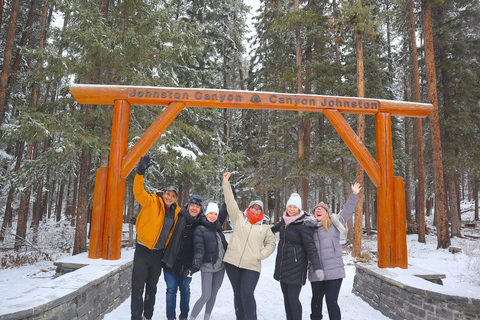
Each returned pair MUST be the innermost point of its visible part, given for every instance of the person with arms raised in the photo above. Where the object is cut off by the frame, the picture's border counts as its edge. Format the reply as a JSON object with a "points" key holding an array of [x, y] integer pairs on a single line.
{"points": [[251, 242], [327, 241], [154, 226]]}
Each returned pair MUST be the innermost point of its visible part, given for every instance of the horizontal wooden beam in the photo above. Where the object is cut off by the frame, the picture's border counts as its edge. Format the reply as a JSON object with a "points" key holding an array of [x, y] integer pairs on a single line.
{"points": [[214, 98]]}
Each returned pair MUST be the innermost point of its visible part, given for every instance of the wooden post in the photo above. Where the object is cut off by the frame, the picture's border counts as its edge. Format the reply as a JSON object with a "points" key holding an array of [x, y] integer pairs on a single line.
{"points": [[110, 182], [95, 245], [115, 199], [385, 192], [400, 224]]}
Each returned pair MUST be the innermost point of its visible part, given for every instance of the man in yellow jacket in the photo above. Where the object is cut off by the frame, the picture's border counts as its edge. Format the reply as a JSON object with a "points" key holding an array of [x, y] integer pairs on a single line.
{"points": [[154, 226]]}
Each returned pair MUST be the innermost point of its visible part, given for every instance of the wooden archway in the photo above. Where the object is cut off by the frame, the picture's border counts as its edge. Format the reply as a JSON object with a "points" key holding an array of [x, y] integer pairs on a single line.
{"points": [[106, 228]]}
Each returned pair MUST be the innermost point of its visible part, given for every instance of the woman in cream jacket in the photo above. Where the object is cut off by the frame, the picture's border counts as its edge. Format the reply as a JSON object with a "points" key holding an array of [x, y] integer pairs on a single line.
{"points": [[250, 243]]}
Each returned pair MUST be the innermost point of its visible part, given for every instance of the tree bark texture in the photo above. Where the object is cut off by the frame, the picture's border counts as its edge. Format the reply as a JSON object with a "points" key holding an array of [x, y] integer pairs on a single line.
{"points": [[8, 55], [357, 245], [453, 196], [443, 238], [418, 131], [23, 41], [80, 244]]}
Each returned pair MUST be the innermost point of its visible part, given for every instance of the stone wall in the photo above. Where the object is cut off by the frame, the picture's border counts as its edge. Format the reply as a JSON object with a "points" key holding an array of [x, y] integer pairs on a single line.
{"points": [[89, 302], [404, 300]]}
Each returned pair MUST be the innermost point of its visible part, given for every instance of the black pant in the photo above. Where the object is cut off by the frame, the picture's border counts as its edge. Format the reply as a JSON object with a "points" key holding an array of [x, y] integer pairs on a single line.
{"points": [[147, 267], [291, 300], [330, 289], [243, 283]]}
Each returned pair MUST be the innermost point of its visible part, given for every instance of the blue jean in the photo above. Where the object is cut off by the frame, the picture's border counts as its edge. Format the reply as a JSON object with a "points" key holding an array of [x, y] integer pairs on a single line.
{"points": [[175, 282]]}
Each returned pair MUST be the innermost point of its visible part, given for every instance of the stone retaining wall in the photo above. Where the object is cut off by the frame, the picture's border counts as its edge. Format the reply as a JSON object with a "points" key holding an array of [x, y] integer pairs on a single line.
{"points": [[398, 300], [89, 302]]}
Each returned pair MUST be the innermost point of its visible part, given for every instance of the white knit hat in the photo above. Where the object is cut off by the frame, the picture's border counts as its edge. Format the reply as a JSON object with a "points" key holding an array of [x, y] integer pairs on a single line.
{"points": [[212, 207], [295, 200]]}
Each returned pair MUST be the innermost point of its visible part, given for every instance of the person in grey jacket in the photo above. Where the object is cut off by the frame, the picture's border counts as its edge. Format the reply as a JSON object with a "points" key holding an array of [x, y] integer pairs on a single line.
{"points": [[327, 241]]}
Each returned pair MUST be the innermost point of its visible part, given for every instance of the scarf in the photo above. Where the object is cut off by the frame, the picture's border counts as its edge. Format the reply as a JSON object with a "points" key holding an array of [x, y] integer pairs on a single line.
{"points": [[290, 219], [253, 218], [172, 250]]}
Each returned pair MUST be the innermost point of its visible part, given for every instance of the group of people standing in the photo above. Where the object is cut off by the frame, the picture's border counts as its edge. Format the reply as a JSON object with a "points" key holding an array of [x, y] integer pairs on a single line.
{"points": [[183, 241]]}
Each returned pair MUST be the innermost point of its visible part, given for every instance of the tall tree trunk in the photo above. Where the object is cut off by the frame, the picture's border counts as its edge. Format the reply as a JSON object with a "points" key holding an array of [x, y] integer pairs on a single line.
{"points": [[419, 132], [59, 207], [406, 122], [443, 238], [307, 124], [451, 149], [454, 214], [80, 244], [346, 192], [301, 124], [74, 200], [357, 244], [368, 208], [2, 3], [23, 41], [21, 233], [475, 196], [8, 55]]}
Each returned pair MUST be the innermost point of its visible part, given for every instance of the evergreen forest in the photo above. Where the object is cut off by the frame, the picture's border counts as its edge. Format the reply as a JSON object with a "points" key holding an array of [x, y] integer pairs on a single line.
{"points": [[51, 146]]}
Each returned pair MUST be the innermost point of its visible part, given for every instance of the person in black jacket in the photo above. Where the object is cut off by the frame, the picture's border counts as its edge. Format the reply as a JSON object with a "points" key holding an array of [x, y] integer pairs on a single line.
{"points": [[178, 257], [210, 246], [295, 248]]}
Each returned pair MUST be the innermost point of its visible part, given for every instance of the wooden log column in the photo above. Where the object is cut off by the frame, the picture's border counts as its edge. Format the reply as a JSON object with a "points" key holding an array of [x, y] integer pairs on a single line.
{"points": [[385, 192], [115, 197], [95, 247], [400, 229]]}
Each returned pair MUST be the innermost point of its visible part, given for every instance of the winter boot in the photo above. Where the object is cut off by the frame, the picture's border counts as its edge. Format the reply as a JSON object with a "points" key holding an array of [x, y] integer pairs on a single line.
{"points": [[312, 317], [206, 316]]}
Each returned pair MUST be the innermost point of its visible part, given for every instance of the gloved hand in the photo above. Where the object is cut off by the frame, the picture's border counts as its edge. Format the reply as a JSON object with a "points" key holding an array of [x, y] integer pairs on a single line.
{"points": [[190, 272], [320, 274], [133, 220], [143, 165]]}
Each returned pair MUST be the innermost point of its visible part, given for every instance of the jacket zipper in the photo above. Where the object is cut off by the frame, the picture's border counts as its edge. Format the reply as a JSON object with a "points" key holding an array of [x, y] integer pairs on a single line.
{"points": [[243, 252]]}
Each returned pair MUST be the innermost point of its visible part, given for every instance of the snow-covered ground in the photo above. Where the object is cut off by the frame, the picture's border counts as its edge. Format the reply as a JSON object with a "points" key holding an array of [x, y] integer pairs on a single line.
{"points": [[462, 272]]}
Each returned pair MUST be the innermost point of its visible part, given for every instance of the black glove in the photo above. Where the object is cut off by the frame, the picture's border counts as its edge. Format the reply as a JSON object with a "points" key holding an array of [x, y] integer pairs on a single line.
{"points": [[133, 220], [143, 165], [190, 272]]}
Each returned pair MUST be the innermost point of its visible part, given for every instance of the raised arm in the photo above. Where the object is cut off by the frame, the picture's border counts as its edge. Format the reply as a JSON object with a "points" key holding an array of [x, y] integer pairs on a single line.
{"points": [[349, 206], [232, 206]]}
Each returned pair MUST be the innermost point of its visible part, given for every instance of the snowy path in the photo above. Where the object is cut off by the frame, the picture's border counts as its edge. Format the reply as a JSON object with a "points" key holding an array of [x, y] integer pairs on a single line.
{"points": [[268, 296]]}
